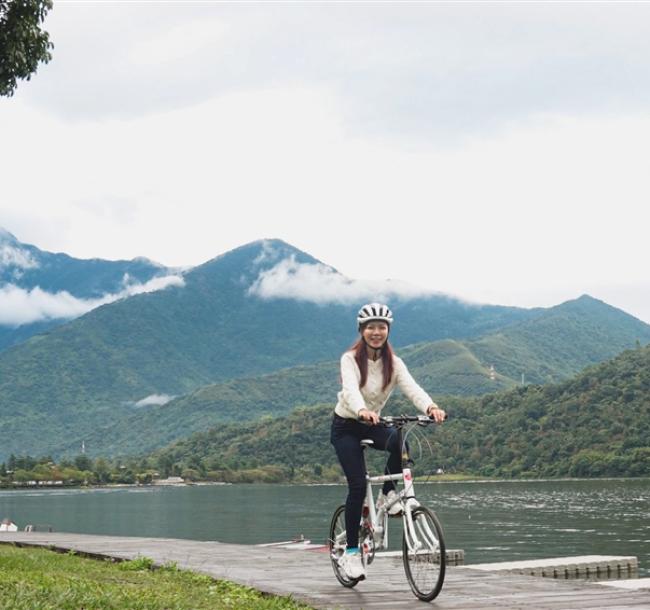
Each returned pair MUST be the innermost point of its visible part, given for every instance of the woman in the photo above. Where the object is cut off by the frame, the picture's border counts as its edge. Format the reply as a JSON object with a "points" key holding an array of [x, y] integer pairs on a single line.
{"points": [[369, 372]]}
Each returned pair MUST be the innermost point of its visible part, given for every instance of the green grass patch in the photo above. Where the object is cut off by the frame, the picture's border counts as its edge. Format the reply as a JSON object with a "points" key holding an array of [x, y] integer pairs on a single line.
{"points": [[39, 579]]}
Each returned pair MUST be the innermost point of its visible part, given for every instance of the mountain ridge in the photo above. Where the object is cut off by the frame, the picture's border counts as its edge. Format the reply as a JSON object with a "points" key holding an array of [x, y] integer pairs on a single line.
{"points": [[91, 372], [443, 367], [58, 286]]}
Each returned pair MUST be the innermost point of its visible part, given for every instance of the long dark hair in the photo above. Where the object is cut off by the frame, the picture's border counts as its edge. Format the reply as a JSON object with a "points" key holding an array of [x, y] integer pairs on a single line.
{"points": [[361, 357]]}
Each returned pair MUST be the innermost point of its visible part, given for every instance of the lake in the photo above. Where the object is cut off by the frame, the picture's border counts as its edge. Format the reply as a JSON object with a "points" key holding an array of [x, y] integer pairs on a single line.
{"points": [[491, 521]]}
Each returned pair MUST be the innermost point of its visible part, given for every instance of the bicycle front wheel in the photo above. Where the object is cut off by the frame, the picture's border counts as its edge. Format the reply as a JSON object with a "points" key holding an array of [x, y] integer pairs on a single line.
{"points": [[337, 545], [423, 552]]}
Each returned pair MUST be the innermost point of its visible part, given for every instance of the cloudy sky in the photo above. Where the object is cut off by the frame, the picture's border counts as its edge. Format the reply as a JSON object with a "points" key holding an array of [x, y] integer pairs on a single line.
{"points": [[494, 151]]}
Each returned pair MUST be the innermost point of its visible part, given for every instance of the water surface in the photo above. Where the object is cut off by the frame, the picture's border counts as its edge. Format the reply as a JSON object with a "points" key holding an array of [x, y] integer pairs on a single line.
{"points": [[491, 521]]}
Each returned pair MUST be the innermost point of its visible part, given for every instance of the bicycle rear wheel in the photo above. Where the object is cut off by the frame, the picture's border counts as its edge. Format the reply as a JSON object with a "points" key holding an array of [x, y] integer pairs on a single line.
{"points": [[337, 545], [424, 555]]}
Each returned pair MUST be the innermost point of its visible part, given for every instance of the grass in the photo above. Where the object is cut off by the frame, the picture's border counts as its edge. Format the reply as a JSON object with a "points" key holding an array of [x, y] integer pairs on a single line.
{"points": [[39, 579]]}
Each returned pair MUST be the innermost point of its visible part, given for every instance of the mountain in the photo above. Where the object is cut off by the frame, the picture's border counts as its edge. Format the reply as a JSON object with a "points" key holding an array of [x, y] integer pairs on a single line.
{"points": [[62, 285], [595, 424], [95, 369], [105, 372], [553, 346], [237, 401]]}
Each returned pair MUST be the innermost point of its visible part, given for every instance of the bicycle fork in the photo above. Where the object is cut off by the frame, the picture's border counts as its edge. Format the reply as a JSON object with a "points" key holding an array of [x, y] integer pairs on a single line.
{"points": [[418, 535], [414, 534]]}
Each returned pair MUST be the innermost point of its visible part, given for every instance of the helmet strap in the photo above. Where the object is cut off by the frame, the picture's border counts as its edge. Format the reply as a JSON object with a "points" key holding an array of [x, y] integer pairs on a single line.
{"points": [[377, 350]]}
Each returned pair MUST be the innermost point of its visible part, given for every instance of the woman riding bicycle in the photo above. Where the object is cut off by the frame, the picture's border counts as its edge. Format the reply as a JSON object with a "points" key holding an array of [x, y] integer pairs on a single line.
{"points": [[369, 372]]}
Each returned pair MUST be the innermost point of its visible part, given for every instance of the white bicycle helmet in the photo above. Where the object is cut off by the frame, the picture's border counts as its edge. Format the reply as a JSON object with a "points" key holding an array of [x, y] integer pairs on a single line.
{"points": [[374, 311]]}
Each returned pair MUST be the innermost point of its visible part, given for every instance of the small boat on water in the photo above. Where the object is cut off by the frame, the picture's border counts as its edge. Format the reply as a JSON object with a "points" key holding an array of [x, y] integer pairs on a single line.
{"points": [[7, 525], [299, 542]]}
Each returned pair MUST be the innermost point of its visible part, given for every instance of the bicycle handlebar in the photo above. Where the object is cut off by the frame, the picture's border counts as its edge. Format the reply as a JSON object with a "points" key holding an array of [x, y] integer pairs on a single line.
{"points": [[400, 420]]}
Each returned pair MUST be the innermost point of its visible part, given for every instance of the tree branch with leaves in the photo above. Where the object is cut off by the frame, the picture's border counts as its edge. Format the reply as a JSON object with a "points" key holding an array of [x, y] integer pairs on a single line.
{"points": [[23, 42]]}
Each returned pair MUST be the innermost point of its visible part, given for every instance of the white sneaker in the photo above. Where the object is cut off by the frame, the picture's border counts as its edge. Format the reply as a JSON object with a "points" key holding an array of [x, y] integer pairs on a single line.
{"points": [[352, 565], [395, 509]]}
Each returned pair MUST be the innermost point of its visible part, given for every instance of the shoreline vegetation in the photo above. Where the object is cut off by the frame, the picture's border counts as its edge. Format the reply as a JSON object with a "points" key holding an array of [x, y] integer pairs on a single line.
{"points": [[594, 425], [444, 478], [44, 579], [27, 472], [180, 482], [82, 472]]}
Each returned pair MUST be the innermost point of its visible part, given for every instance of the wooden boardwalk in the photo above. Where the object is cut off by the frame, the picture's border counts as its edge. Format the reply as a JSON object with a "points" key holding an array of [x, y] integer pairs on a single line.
{"points": [[308, 576]]}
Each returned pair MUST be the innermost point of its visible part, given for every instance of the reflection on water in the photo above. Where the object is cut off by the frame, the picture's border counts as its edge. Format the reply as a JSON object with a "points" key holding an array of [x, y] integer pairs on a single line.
{"points": [[491, 521]]}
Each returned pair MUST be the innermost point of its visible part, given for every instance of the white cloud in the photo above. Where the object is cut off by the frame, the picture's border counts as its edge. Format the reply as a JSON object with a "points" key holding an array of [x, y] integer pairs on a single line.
{"points": [[540, 195], [319, 283], [20, 306], [154, 400], [154, 284], [423, 69], [11, 256], [120, 210], [178, 42]]}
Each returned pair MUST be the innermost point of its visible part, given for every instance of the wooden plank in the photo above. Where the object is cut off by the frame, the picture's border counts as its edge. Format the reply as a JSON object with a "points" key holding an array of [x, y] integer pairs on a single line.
{"points": [[555, 561], [589, 566]]}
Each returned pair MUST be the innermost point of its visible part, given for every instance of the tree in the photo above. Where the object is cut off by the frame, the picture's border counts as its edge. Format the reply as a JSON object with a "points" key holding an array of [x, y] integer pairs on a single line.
{"points": [[83, 462], [102, 470], [23, 44]]}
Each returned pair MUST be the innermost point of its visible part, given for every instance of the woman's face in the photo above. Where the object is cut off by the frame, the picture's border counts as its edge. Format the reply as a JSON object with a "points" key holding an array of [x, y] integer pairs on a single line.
{"points": [[375, 333]]}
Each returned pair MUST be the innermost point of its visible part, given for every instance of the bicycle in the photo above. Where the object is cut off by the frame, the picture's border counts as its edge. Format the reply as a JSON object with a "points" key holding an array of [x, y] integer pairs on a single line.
{"points": [[423, 545]]}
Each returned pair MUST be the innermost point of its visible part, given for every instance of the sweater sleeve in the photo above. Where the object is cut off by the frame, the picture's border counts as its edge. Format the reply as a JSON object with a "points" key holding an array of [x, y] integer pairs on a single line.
{"points": [[350, 378], [410, 388]]}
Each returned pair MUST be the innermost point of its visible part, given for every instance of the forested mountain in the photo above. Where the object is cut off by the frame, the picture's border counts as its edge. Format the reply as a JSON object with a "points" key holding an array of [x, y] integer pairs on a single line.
{"points": [[25, 268], [442, 367], [92, 371], [103, 377], [551, 346], [596, 424]]}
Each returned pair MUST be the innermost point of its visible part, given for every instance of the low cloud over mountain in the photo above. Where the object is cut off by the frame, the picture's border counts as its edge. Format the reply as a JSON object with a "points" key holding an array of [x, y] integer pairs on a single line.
{"points": [[154, 400], [24, 306], [318, 283], [40, 290], [17, 258]]}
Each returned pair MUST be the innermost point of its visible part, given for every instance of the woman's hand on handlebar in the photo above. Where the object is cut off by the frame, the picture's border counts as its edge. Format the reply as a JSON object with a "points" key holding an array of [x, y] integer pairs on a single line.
{"points": [[436, 413], [368, 416]]}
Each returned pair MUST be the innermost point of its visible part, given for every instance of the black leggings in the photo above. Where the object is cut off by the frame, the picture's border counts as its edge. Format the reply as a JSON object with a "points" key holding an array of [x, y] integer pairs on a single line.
{"points": [[346, 435]]}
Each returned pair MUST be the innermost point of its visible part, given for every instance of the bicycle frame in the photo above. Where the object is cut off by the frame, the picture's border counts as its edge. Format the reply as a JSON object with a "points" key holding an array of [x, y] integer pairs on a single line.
{"points": [[376, 518], [377, 522]]}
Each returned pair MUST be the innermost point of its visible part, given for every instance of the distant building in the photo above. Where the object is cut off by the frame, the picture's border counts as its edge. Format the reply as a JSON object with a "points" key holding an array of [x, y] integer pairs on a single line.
{"points": [[169, 481]]}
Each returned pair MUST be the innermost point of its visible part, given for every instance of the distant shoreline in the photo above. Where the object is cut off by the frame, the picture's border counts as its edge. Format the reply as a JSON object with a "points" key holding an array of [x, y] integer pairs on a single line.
{"points": [[431, 481]]}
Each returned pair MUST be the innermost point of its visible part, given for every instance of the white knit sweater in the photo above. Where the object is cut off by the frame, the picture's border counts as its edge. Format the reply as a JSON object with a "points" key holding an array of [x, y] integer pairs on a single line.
{"points": [[371, 396]]}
